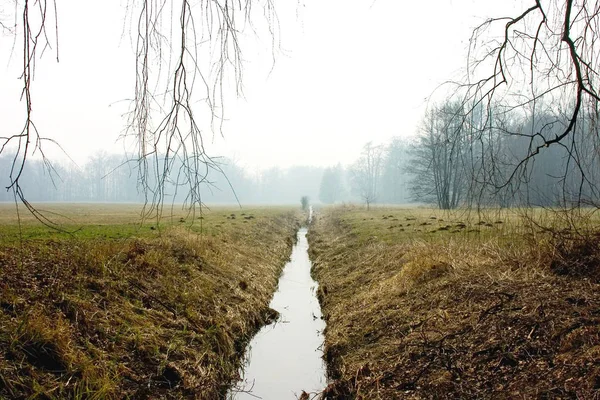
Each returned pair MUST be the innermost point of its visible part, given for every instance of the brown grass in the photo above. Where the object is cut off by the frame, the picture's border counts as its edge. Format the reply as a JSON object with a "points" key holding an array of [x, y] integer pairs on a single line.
{"points": [[153, 316], [479, 311]]}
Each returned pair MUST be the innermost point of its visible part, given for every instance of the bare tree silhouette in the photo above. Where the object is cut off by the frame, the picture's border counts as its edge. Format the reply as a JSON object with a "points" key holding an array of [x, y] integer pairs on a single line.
{"points": [[35, 40], [542, 60], [365, 173], [438, 154]]}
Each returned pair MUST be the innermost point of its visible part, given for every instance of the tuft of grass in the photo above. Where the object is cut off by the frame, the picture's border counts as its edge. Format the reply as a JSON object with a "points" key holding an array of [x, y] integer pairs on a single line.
{"points": [[457, 305], [166, 313]]}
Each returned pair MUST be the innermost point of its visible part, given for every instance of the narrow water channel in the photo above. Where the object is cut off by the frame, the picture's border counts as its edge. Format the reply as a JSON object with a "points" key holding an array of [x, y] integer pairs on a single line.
{"points": [[285, 358]]}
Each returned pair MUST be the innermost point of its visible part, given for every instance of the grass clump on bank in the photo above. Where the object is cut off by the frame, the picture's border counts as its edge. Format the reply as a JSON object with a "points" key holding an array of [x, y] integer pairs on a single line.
{"points": [[157, 315], [425, 304]]}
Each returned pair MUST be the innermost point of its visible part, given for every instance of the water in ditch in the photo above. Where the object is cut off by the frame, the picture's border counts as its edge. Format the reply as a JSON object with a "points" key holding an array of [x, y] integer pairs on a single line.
{"points": [[285, 358]]}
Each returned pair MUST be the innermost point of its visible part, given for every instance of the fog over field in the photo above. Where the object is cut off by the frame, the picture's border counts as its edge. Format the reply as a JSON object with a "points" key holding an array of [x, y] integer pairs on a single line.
{"points": [[369, 102], [405, 193], [329, 78], [292, 117]]}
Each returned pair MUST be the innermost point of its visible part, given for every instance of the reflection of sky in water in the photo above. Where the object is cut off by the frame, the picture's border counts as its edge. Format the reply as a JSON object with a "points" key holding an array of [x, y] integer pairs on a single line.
{"points": [[285, 357]]}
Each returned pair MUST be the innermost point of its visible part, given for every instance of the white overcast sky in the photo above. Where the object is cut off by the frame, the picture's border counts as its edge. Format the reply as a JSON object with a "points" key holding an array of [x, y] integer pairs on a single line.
{"points": [[349, 72]]}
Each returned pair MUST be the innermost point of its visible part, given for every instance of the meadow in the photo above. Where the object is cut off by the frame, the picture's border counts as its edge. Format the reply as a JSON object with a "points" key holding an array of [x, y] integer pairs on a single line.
{"points": [[419, 303], [422, 303], [111, 307]]}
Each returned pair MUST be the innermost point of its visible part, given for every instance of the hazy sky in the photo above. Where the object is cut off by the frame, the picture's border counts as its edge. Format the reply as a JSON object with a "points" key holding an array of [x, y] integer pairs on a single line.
{"points": [[348, 72]]}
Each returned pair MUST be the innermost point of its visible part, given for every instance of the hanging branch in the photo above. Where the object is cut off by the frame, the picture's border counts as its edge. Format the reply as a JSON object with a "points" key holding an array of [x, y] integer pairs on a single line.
{"points": [[189, 49], [35, 41], [207, 61], [544, 63]]}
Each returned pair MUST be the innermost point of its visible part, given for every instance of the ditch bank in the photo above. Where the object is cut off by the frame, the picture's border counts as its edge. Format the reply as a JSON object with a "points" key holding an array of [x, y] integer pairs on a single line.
{"points": [[445, 317], [158, 316]]}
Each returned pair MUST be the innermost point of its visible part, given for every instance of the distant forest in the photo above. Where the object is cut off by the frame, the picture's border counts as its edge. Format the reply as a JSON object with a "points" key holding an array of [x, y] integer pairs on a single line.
{"points": [[107, 178], [437, 167]]}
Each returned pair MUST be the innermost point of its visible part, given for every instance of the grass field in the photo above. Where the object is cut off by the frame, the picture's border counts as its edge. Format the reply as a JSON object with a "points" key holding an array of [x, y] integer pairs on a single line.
{"points": [[115, 308], [118, 221], [421, 303]]}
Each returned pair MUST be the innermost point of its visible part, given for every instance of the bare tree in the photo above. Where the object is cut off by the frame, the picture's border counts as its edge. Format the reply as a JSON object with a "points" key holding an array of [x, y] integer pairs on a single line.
{"points": [[541, 60], [394, 176], [437, 160], [178, 135], [365, 173], [35, 39], [304, 202]]}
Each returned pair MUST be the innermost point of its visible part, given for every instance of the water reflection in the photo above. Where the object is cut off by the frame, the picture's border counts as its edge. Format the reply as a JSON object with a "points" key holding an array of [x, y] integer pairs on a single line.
{"points": [[284, 358]]}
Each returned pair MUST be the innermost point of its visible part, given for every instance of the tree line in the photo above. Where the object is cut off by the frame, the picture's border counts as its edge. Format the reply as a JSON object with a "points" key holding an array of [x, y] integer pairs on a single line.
{"points": [[474, 156], [109, 178], [470, 155], [459, 157]]}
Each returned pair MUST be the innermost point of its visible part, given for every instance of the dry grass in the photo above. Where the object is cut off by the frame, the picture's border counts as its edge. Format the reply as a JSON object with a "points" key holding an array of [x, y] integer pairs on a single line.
{"points": [[425, 304], [157, 315]]}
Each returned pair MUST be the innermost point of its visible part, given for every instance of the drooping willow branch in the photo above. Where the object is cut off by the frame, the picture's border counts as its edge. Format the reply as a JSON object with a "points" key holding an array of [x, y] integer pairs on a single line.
{"points": [[34, 17], [204, 61], [187, 58]]}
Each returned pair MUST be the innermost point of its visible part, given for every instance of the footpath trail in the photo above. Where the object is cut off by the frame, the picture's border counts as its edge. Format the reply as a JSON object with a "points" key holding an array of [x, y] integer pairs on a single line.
{"points": [[420, 305]]}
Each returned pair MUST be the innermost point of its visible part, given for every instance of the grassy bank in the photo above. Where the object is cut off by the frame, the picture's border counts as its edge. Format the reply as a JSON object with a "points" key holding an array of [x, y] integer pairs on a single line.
{"points": [[122, 309], [425, 304]]}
